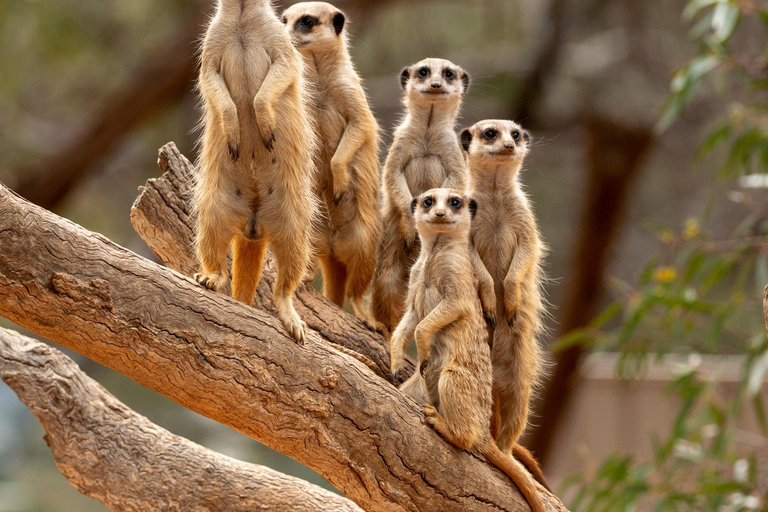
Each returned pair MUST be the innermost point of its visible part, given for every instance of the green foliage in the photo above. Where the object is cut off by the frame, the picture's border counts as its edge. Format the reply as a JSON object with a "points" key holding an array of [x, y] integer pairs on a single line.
{"points": [[699, 294]]}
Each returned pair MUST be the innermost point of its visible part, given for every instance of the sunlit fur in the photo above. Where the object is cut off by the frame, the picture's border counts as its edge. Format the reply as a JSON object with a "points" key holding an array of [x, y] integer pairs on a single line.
{"points": [[348, 160], [507, 252], [443, 314], [256, 172], [425, 154]]}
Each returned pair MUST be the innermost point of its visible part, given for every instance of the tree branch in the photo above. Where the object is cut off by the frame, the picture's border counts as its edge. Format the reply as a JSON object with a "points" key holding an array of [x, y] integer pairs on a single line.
{"points": [[237, 365], [114, 455]]}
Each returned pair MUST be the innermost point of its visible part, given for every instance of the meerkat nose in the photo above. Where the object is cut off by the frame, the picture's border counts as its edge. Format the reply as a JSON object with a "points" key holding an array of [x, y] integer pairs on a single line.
{"points": [[437, 85], [440, 213], [509, 145]]}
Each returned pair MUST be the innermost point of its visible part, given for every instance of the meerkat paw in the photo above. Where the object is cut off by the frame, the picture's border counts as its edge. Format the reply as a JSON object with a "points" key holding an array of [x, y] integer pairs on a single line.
{"points": [[489, 307], [512, 301], [397, 362], [423, 366], [340, 182], [431, 414], [295, 327], [376, 326], [408, 232], [213, 282], [234, 150], [265, 122]]}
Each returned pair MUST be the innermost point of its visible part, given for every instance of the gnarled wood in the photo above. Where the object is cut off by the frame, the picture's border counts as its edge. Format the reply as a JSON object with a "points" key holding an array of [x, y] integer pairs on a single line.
{"points": [[114, 455], [237, 365], [162, 216]]}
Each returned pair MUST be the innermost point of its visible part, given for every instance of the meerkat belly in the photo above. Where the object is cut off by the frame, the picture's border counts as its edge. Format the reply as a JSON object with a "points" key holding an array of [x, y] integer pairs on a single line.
{"points": [[494, 240], [423, 173], [244, 67]]}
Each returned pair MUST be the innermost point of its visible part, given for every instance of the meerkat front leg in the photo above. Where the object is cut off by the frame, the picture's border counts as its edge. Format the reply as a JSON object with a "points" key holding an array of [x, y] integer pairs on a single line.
{"points": [[485, 286], [399, 340], [400, 194], [281, 75], [353, 138], [521, 261], [214, 90], [445, 313], [455, 171]]}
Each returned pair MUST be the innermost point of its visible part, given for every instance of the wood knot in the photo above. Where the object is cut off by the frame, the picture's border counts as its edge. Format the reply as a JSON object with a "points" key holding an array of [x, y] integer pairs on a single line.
{"points": [[330, 379], [95, 293]]}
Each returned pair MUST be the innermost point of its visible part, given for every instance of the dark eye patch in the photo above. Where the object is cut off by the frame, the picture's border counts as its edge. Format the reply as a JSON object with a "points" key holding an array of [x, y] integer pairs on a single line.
{"points": [[428, 202], [449, 74], [490, 134], [306, 23], [516, 135], [456, 203], [423, 72]]}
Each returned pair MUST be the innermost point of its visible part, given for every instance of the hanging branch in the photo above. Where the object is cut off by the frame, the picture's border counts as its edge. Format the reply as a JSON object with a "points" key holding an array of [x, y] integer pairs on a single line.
{"points": [[120, 458]]}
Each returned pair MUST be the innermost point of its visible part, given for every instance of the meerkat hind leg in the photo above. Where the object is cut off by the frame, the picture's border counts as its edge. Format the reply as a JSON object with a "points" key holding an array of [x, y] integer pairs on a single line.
{"points": [[213, 242], [360, 272], [334, 279]]}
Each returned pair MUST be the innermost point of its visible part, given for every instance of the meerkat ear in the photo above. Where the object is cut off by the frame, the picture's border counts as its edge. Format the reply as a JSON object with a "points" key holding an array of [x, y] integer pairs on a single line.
{"points": [[466, 139], [338, 22], [405, 75], [472, 208], [284, 20], [526, 136], [466, 80], [414, 204]]}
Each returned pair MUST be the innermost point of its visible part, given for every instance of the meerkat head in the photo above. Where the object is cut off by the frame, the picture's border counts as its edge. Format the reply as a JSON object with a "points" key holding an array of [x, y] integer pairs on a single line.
{"points": [[315, 26], [443, 210], [434, 80], [494, 143]]}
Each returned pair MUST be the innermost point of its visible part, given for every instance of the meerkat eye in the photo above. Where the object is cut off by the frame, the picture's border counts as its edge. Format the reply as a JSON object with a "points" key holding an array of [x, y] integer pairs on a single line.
{"points": [[307, 21], [427, 202], [450, 75], [423, 72], [490, 134], [455, 203], [516, 135]]}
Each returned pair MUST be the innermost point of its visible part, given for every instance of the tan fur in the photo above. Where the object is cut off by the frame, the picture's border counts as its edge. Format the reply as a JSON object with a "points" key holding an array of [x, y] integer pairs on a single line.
{"points": [[425, 154], [443, 313], [348, 160], [507, 251], [256, 173]]}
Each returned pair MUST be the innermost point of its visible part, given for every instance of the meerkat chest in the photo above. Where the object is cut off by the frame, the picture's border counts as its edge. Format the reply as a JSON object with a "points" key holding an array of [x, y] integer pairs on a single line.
{"points": [[495, 233], [331, 122]]}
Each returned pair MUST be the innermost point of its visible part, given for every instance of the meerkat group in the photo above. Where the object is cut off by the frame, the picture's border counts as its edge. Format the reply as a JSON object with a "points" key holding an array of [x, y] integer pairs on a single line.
{"points": [[289, 160]]}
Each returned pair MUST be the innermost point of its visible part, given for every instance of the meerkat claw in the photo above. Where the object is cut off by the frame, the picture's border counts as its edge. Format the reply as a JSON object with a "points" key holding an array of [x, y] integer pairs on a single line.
{"points": [[490, 319], [234, 151], [395, 374], [423, 366], [269, 143], [512, 319]]}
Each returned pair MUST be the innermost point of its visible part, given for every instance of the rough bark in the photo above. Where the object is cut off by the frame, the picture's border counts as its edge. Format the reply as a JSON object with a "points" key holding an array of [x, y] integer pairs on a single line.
{"points": [[237, 365], [120, 458], [615, 156], [162, 216]]}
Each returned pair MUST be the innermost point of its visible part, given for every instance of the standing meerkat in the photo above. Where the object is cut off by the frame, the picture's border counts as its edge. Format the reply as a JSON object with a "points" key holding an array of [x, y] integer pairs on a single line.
{"points": [[256, 177], [506, 251], [443, 314], [425, 154], [348, 159]]}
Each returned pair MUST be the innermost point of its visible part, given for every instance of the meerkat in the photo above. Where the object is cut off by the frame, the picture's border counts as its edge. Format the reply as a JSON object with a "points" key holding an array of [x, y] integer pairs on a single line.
{"points": [[425, 154], [443, 314], [348, 159], [256, 173], [506, 250]]}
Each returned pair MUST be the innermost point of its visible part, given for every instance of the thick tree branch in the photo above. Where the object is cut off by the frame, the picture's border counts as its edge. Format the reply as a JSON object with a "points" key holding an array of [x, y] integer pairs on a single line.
{"points": [[114, 455], [162, 217], [237, 365]]}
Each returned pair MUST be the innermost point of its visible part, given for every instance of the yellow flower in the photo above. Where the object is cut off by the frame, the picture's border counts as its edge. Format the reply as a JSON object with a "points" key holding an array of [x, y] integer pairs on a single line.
{"points": [[692, 229], [667, 236], [665, 275]]}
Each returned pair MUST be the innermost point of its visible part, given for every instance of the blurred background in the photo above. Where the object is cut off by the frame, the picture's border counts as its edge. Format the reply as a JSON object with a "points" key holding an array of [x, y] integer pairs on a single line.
{"points": [[648, 178]]}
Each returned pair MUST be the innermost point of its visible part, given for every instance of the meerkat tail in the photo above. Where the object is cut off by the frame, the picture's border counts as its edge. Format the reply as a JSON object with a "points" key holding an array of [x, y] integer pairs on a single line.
{"points": [[247, 259], [526, 458], [516, 472]]}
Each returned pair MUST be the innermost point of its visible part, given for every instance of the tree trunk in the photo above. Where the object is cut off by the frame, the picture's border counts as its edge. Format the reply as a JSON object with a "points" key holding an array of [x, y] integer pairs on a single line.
{"points": [[237, 365], [126, 462]]}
